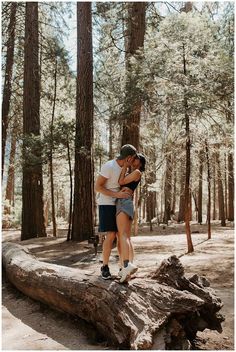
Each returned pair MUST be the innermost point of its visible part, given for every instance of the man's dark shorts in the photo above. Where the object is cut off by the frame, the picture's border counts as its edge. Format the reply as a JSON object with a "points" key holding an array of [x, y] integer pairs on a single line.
{"points": [[107, 218]]}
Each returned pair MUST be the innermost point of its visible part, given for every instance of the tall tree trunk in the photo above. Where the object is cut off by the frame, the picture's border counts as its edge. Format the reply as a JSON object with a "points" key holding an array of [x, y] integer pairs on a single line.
{"points": [[149, 209], [200, 187], [209, 191], [11, 172], [7, 89], [230, 187], [110, 138], [225, 186], [133, 103], [83, 218], [32, 185], [54, 224], [182, 197], [214, 188], [71, 191], [174, 187], [220, 192], [188, 166], [167, 189], [136, 208]]}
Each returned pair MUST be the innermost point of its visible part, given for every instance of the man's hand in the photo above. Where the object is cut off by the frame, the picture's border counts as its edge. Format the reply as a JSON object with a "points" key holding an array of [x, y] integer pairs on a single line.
{"points": [[124, 193]]}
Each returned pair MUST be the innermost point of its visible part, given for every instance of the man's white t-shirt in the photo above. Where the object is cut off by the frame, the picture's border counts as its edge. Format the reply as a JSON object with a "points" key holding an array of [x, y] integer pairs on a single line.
{"points": [[111, 170]]}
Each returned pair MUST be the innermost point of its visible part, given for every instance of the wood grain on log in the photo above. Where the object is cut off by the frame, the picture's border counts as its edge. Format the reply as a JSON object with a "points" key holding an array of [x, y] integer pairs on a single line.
{"points": [[163, 311]]}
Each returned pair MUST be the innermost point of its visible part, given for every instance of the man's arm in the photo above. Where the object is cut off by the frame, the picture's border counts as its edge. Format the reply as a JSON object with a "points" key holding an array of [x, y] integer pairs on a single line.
{"points": [[100, 188]]}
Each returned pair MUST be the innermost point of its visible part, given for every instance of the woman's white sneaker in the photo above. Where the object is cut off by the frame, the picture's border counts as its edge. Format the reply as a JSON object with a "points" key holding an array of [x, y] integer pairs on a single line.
{"points": [[127, 271]]}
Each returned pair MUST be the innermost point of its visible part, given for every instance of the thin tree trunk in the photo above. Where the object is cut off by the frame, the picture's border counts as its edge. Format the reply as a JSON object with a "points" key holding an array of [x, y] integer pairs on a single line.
{"points": [[54, 224], [149, 207], [167, 189], [200, 187], [174, 188], [71, 192], [209, 191], [7, 89], [230, 187], [110, 138], [181, 199], [32, 184], [188, 167], [83, 217], [136, 208], [225, 186], [214, 188], [46, 211], [220, 192], [11, 172]]}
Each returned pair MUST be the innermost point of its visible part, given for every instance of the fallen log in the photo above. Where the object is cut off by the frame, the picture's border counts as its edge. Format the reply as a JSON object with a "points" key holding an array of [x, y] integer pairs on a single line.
{"points": [[162, 311]]}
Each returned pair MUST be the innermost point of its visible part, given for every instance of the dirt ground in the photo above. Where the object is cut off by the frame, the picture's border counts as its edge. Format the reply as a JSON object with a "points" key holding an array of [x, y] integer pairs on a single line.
{"points": [[30, 325]]}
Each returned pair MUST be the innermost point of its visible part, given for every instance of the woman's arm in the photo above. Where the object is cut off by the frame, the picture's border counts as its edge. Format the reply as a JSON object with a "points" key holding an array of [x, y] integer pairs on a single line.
{"points": [[133, 176], [100, 188]]}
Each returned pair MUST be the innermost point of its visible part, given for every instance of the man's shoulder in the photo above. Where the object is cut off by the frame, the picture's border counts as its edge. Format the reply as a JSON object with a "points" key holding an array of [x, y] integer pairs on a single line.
{"points": [[109, 163]]}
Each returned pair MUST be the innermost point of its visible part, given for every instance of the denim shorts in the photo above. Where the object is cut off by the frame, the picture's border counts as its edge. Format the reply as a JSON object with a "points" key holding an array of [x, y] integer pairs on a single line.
{"points": [[107, 218], [126, 206]]}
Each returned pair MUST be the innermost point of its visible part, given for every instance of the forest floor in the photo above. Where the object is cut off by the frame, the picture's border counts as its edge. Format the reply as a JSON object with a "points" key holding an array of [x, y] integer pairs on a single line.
{"points": [[30, 325]]}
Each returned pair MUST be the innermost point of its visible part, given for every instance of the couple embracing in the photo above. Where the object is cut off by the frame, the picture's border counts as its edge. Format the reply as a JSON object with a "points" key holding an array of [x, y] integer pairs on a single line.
{"points": [[116, 184]]}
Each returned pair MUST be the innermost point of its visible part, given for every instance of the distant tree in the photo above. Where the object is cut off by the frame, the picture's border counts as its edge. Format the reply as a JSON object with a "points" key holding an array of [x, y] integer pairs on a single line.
{"points": [[7, 89], [199, 207]]}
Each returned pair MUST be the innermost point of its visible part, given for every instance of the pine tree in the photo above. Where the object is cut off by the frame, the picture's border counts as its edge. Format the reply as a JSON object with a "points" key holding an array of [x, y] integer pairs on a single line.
{"points": [[32, 185], [83, 211]]}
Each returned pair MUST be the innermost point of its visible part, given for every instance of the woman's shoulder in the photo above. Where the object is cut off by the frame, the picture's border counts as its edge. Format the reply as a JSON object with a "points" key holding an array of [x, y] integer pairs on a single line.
{"points": [[137, 173]]}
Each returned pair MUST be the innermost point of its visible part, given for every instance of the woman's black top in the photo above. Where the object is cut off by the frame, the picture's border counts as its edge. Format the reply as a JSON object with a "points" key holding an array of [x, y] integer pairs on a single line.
{"points": [[132, 185]]}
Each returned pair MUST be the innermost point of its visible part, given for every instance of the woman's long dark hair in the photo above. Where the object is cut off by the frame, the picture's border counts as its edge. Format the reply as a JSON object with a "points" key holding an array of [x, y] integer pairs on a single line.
{"points": [[142, 159]]}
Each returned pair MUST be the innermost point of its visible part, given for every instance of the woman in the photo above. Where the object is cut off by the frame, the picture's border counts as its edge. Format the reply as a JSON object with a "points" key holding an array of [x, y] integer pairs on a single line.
{"points": [[125, 214]]}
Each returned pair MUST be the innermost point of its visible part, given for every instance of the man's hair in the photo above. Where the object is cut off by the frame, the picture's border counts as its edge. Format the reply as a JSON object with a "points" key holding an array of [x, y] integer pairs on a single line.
{"points": [[127, 150]]}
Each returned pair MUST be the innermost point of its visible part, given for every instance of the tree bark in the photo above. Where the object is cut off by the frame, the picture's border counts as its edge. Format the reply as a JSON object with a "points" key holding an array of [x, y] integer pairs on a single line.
{"points": [[187, 209], [181, 197], [230, 187], [54, 223], [167, 189], [165, 308], [11, 171], [225, 186], [7, 89], [133, 102], [200, 187], [174, 187], [71, 191], [110, 138], [32, 185], [220, 192], [83, 218], [209, 191], [214, 188]]}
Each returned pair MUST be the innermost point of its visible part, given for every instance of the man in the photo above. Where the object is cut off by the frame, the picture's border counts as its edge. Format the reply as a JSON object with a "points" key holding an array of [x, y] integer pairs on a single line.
{"points": [[108, 186]]}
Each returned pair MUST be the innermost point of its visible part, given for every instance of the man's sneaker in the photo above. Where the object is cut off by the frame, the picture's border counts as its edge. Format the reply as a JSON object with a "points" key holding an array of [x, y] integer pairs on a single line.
{"points": [[105, 272], [126, 272]]}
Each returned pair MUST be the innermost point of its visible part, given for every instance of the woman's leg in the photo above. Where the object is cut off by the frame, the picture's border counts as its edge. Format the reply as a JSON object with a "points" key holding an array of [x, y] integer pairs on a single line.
{"points": [[122, 219], [131, 248], [119, 250]]}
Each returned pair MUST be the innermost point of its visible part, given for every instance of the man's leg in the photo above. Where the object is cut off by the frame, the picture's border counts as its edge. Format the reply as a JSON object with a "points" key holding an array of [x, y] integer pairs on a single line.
{"points": [[107, 247]]}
